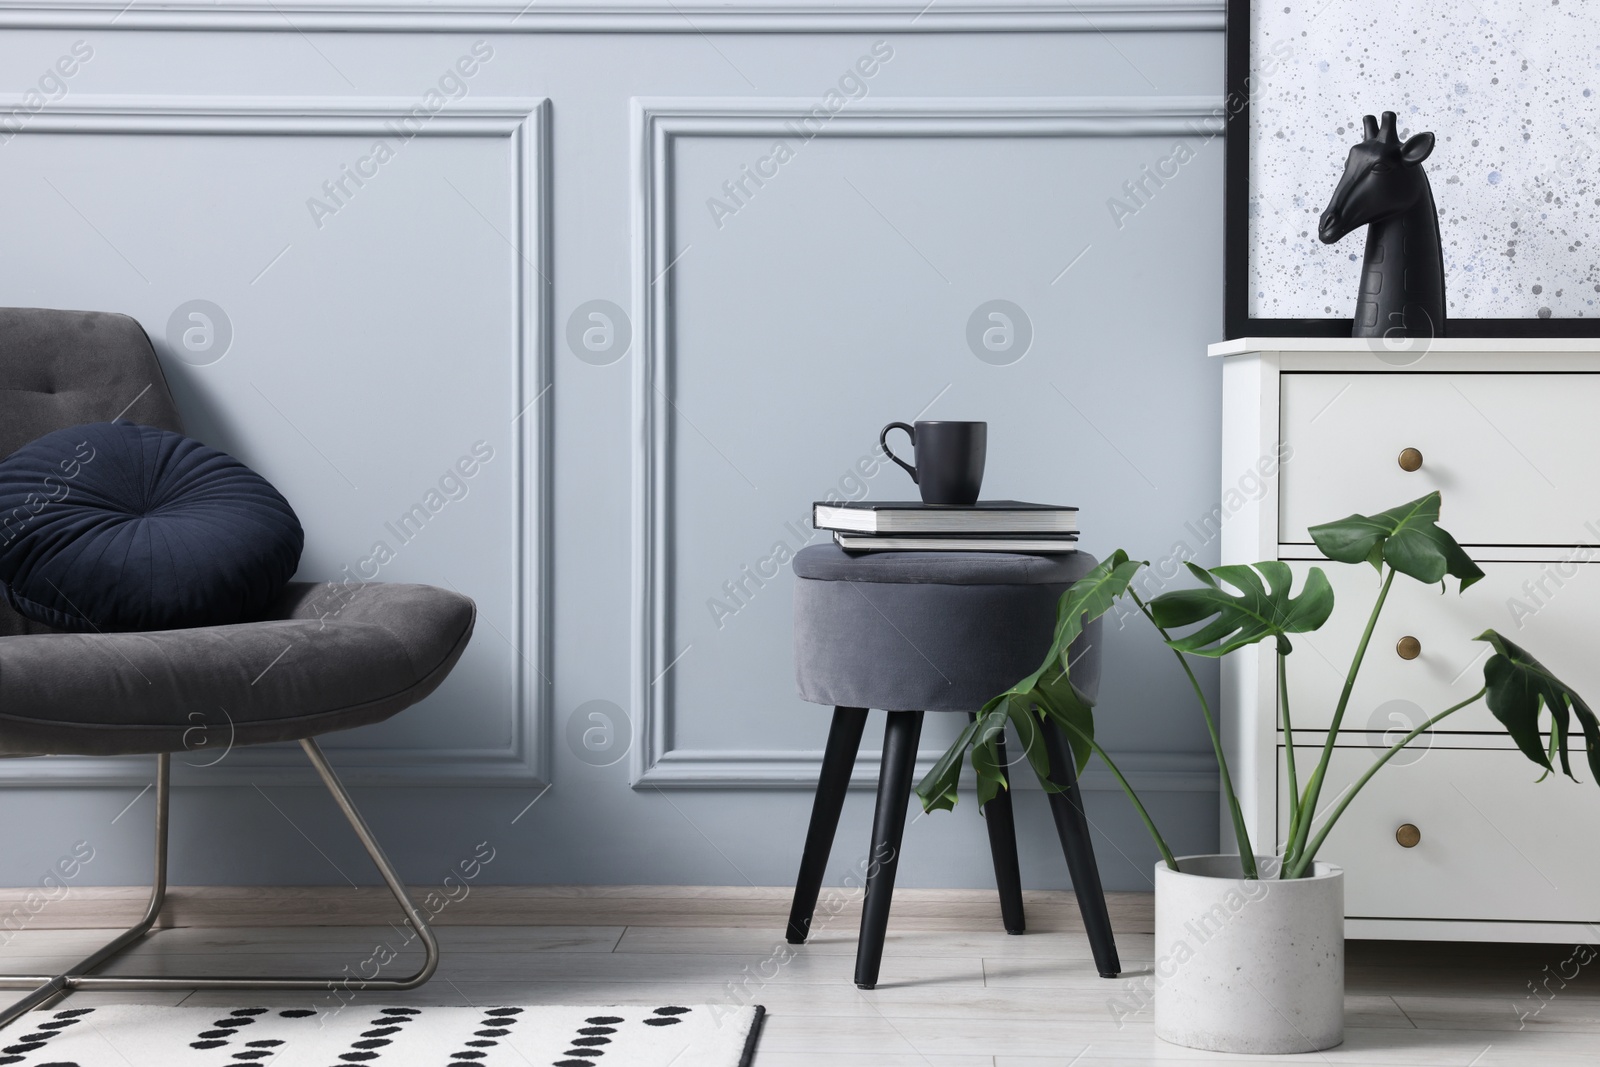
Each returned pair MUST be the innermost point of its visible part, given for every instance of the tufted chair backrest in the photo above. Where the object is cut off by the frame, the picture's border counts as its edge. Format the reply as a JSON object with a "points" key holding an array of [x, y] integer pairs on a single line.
{"points": [[63, 368]]}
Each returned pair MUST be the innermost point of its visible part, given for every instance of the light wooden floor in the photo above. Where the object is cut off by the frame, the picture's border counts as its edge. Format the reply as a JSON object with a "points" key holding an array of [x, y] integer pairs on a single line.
{"points": [[955, 992]]}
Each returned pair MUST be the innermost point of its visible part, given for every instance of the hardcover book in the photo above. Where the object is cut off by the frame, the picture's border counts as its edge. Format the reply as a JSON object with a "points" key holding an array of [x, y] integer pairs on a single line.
{"points": [[910, 517], [1033, 545]]}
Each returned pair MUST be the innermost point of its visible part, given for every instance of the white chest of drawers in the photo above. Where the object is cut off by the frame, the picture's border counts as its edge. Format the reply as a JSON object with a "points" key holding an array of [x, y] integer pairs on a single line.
{"points": [[1509, 433]]}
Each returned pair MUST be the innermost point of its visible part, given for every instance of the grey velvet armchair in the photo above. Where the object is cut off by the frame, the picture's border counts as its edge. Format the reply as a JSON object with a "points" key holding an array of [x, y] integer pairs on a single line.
{"points": [[363, 651]]}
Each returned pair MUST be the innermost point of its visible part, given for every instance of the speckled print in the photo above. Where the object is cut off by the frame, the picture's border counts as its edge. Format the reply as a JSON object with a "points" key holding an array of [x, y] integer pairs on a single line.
{"points": [[1512, 90]]}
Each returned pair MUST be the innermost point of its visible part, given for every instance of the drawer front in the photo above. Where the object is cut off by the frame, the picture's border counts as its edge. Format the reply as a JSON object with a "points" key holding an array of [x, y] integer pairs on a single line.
{"points": [[1495, 844], [1512, 454], [1552, 609]]}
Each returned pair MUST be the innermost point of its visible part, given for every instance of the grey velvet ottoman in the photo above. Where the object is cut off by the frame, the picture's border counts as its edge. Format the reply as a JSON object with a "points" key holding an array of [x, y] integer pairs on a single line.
{"points": [[912, 632]]}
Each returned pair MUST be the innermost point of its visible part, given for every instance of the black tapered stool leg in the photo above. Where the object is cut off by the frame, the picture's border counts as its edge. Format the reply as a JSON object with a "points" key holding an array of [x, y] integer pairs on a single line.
{"points": [[900, 739], [1072, 826], [838, 760], [1003, 848]]}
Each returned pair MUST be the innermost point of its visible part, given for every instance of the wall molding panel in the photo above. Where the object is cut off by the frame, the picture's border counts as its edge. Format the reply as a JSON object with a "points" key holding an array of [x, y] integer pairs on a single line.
{"points": [[608, 16], [525, 126], [655, 760]]}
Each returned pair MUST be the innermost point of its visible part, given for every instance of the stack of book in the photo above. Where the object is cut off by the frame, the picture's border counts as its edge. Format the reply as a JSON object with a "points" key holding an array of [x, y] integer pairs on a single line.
{"points": [[987, 526]]}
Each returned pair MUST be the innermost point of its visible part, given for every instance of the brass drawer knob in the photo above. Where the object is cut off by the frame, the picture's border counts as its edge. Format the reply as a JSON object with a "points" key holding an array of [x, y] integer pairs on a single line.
{"points": [[1408, 835], [1410, 459], [1408, 647]]}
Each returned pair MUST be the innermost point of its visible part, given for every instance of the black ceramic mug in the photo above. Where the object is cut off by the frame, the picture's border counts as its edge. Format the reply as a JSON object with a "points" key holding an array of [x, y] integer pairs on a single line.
{"points": [[950, 457]]}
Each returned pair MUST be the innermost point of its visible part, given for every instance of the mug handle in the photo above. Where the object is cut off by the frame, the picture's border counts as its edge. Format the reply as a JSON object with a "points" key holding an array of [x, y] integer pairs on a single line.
{"points": [[883, 443]]}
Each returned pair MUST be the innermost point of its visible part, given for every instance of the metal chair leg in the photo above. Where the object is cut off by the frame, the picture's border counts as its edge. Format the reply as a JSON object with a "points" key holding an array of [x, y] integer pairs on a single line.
{"points": [[58, 986], [47, 989]]}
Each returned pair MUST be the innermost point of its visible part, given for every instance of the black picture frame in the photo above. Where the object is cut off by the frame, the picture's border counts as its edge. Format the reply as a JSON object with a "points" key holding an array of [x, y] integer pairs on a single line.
{"points": [[1237, 321]]}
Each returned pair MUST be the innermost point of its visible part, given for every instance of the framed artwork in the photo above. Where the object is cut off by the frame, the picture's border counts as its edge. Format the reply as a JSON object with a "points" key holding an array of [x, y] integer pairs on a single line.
{"points": [[1511, 90]]}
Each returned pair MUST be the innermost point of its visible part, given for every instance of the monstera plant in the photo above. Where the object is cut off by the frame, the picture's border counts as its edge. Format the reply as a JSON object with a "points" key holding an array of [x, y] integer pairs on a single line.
{"points": [[1235, 606]]}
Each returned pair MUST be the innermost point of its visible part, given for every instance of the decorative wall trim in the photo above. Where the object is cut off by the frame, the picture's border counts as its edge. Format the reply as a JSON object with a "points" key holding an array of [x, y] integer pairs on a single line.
{"points": [[609, 16], [525, 123], [654, 761]]}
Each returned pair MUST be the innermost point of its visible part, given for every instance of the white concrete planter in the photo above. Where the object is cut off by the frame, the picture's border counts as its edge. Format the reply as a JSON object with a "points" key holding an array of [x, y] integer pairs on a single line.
{"points": [[1249, 966]]}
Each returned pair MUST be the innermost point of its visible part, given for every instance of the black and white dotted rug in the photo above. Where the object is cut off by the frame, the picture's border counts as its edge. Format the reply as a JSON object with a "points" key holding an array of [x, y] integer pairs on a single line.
{"points": [[135, 1035]]}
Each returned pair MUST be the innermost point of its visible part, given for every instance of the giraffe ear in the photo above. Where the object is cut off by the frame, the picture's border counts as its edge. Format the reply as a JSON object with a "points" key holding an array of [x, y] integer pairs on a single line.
{"points": [[1418, 148]]}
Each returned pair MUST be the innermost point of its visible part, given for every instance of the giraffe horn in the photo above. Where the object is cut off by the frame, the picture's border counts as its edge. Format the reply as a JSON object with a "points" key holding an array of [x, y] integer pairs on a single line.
{"points": [[1387, 132], [1369, 126]]}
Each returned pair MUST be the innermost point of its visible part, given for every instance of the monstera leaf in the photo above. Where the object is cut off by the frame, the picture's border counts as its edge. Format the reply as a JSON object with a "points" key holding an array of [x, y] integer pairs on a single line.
{"points": [[1258, 611], [1520, 688], [938, 787], [1407, 538], [1088, 598], [1049, 689]]}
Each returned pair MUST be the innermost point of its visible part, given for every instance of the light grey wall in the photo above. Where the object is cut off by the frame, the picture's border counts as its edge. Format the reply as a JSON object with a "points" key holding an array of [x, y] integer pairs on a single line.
{"points": [[373, 345]]}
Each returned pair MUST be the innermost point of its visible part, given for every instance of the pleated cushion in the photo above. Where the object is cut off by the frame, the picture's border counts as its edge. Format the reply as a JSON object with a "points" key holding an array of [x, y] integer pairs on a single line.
{"points": [[117, 527]]}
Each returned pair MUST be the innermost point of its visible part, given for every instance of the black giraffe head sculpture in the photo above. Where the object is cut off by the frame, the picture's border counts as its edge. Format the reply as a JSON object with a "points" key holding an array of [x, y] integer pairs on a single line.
{"points": [[1385, 189]]}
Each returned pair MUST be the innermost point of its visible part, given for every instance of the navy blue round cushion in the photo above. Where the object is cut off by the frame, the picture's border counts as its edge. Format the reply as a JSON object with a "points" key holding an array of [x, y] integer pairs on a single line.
{"points": [[119, 527]]}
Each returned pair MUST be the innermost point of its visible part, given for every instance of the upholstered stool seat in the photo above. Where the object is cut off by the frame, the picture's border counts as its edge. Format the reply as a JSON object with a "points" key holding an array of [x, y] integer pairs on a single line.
{"points": [[929, 631], [911, 632]]}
